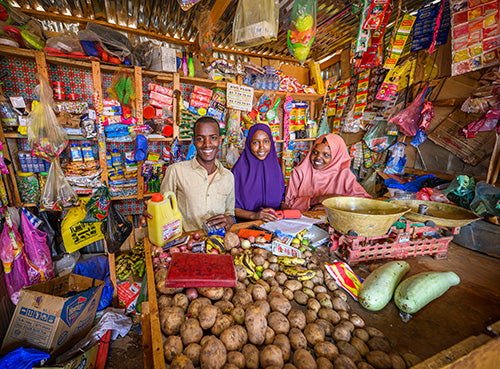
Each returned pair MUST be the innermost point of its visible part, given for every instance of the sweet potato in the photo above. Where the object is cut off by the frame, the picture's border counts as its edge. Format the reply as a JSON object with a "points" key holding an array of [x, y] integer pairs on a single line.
{"points": [[326, 349], [283, 343], [379, 359], [196, 305], [297, 339], [171, 319], [278, 322], [172, 347], [271, 356], [344, 362], [224, 306], [207, 316], [238, 314], [181, 362], [234, 338], [314, 334], [324, 363], [302, 359], [191, 331], [347, 349], [251, 356], [213, 293], [236, 358], [222, 322], [297, 319], [193, 353], [256, 324], [213, 354]]}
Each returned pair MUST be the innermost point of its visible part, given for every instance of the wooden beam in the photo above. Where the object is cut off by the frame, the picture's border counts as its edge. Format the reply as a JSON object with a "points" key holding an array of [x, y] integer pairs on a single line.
{"points": [[333, 60], [218, 9], [41, 65]]}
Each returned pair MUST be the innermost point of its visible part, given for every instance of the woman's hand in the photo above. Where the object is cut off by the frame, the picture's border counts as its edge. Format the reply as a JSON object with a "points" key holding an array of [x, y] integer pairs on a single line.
{"points": [[144, 216], [266, 215]]}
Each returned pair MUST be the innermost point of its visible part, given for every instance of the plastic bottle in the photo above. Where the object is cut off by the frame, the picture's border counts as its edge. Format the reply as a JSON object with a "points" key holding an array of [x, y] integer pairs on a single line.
{"points": [[166, 223], [184, 65], [116, 158], [76, 152], [191, 65], [88, 154], [9, 118]]}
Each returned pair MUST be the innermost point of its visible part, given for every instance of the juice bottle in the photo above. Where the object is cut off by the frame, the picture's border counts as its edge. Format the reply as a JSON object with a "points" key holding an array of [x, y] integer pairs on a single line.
{"points": [[166, 224]]}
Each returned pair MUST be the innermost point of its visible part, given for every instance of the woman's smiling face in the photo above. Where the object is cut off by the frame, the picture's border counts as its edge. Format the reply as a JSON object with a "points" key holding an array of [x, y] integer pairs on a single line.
{"points": [[321, 156], [260, 144]]}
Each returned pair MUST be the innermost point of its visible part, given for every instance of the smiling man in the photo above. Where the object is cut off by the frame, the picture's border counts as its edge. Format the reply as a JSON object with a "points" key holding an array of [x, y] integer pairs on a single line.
{"points": [[203, 187]]}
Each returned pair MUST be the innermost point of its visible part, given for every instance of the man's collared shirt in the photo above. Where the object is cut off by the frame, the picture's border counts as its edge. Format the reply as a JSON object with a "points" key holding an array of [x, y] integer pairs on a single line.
{"points": [[197, 198]]}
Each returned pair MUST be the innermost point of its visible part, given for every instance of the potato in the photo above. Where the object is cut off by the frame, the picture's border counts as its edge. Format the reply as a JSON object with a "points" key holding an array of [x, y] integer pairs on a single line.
{"points": [[276, 289], [264, 306], [272, 282], [161, 275], [288, 294], [251, 356], [360, 346], [280, 303], [313, 304], [213, 293], [311, 316], [314, 334], [240, 286], [208, 315], [365, 365], [242, 298], [238, 315], [374, 332], [181, 301], [379, 344], [236, 358], [340, 294], [347, 349], [344, 315], [361, 334], [297, 339], [264, 284], [222, 322], [228, 294], [308, 284], [172, 347], [278, 322], [302, 359], [411, 359], [326, 325], [274, 267], [164, 290], [320, 289], [343, 362], [231, 240], [268, 274], [325, 303], [229, 366], [191, 331], [205, 339], [181, 362], [213, 354], [293, 285], [331, 285], [280, 277], [340, 305], [328, 314], [341, 333], [259, 292], [326, 349], [271, 356], [260, 252], [347, 324], [309, 292], [300, 297], [283, 343], [397, 360], [256, 324], [289, 366], [224, 306], [269, 336], [272, 258], [259, 260], [318, 278], [171, 319], [379, 359], [356, 320], [312, 265], [297, 319], [193, 353], [235, 251], [234, 338], [164, 301], [323, 295], [324, 363]]}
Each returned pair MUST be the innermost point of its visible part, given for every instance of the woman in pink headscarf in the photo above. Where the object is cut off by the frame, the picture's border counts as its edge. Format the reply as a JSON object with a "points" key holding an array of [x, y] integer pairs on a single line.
{"points": [[325, 172]]}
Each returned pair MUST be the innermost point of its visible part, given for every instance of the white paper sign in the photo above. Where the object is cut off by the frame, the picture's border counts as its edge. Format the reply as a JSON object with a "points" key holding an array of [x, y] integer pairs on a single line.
{"points": [[239, 97]]}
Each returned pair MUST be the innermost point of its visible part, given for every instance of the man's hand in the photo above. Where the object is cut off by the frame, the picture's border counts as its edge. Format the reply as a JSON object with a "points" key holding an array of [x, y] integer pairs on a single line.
{"points": [[266, 215], [221, 221], [145, 215]]}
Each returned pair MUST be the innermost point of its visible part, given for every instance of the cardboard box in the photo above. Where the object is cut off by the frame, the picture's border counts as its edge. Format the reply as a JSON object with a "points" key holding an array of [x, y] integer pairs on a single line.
{"points": [[85, 360], [52, 315], [164, 60]]}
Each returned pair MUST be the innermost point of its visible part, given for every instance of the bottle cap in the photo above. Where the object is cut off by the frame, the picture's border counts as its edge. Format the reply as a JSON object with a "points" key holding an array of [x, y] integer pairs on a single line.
{"points": [[157, 197]]}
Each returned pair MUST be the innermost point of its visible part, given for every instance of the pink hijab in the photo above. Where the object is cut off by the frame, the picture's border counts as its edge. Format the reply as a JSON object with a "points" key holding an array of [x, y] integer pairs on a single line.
{"points": [[337, 178]]}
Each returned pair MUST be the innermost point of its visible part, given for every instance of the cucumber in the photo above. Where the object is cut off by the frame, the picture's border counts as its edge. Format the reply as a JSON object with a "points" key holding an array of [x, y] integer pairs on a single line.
{"points": [[417, 291], [377, 289]]}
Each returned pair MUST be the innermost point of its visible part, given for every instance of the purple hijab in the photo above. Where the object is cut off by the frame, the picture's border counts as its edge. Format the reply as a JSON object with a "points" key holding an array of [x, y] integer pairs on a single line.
{"points": [[258, 183]]}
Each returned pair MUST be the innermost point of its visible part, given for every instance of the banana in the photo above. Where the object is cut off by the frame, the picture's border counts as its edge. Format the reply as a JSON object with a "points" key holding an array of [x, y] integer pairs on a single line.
{"points": [[301, 275], [290, 261], [215, 242]]}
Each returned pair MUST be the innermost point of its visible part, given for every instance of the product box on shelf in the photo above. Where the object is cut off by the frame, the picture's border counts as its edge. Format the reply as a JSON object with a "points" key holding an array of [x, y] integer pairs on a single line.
{"points": [[164, 59]]}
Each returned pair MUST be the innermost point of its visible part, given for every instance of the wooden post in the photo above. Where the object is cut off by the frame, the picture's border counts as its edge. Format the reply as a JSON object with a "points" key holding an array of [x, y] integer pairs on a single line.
{"points": [[41, 65], [494, 166], [177, 107], [146, 336], [138, 93], [13, 197], [345, 64]]}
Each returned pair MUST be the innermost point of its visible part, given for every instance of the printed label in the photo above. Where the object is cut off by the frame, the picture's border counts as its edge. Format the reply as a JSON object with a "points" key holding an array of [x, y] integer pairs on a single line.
{"points": [[171, 229]]}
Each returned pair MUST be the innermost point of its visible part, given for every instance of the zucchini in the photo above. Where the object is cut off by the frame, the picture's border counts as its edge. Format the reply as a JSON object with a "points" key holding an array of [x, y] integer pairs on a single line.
{"points": [[417, 291], [377, 289]]}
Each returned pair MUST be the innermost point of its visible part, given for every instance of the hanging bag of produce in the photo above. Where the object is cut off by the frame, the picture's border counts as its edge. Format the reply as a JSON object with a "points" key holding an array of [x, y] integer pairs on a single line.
{"points": [[116, 229], [57, 193], [377, 139], [255, 23], [302, 29]]}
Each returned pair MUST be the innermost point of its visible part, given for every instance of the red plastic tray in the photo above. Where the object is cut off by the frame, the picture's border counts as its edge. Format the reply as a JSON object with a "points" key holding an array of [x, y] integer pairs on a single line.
{"points": [[201, 270]]}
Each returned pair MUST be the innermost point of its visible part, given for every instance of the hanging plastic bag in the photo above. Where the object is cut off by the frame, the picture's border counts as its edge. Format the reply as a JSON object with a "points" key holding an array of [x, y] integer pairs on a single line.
{"points": [[461, 191], [66, 45], [204, 37], [397, 161], [369, 183], [116, 229], [377, 139], [39, 262], [122, 88], [302, 30], [255, 23], [13, 260], [57, 193], [98, 206], [52, 228], [408, 119], [187, 4], [486, 200], [97, 267], [45, 135]]}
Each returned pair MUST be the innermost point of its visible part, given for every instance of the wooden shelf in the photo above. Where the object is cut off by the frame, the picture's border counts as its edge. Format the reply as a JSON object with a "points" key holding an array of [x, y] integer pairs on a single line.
{"points": [[70, 137], [295, 96], [161, 139], [299, 140], [131, 197]]}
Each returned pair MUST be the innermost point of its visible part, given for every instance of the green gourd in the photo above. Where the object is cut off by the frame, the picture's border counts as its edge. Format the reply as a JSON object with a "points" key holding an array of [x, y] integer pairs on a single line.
{"points": [[417, 291], [377, 289]]}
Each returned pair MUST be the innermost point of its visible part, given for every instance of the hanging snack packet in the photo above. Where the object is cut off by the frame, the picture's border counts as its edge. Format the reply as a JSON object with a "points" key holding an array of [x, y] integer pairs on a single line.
{"points": [[57, 193], [302, 30], [98, 206]]}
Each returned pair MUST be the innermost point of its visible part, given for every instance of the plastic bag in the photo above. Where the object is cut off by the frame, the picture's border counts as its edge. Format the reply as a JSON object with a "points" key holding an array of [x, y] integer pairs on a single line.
{"points": [[122, 88], [39, 262], [204, 37], [302, 29], [23, 358], [97, 267], [369, 184], [57, 193], [143, 54], [116, 229], [66, 44], [432, 194], [377, 138], [486, 200], [45, 136], [52, 228], [13, 260], [397, 161], [187, 4], [98, 206], [461, 191], [255, 23], [408, 119], [114, 42]]}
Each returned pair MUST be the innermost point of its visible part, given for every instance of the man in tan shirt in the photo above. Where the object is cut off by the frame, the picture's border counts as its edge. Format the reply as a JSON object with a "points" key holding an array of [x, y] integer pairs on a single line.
{"points": [[203, 187]]}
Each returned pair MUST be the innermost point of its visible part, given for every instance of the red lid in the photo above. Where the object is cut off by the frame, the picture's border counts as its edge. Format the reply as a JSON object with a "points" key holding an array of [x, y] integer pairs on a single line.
{"points": [[148, 112], [168, 131], [157, 197]]}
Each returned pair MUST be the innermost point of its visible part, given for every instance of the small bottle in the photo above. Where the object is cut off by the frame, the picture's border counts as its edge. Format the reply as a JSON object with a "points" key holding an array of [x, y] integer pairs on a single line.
{"points": [[76, 152], [88, 154], [191, 65], [184, 65]]}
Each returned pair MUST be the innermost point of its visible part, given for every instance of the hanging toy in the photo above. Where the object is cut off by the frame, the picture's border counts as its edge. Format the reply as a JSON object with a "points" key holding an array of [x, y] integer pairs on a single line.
{"points": [[302, 29]]}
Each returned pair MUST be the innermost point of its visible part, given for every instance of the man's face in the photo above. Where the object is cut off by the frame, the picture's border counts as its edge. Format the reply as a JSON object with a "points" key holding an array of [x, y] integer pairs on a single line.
{"points": [[207, 141]]}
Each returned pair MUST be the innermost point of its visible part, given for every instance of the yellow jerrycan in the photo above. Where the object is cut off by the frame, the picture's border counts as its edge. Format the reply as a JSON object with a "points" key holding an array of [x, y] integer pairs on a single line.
{"points": [[166, 224]]}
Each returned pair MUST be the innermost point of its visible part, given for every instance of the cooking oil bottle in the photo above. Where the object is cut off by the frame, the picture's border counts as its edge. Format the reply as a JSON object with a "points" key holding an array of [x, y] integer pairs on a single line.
{"points": [[166, 224]]}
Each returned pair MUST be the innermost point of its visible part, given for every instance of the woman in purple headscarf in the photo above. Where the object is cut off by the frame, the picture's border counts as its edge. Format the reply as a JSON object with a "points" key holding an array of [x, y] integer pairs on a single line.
{"points": [[258, 179]]}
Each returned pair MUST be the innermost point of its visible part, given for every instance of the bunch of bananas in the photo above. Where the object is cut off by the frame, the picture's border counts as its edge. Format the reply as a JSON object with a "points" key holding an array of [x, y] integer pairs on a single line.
{"points": [[215, 245], [299, 274], [245, 259], [126, 264]]}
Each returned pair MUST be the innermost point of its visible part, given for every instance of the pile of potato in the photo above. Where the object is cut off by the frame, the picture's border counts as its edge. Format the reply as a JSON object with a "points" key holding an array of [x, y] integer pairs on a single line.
{"points": [[274, 323]]}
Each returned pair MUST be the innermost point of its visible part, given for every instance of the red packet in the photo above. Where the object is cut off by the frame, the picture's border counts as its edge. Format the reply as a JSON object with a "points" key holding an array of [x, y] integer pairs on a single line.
{"points": [[345, 277]]}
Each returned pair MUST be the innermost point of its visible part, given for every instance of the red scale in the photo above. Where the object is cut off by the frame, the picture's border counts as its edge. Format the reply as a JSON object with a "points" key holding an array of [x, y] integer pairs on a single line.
{"points": [[411, 241]]}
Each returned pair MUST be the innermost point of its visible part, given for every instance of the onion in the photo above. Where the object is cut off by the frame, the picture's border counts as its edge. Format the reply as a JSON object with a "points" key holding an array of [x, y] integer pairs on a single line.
{"points": [[174, 250], [196, 236], [183, 248], [251, 239], [156, 250], [245, 244], [191, 294], [156, 261]]}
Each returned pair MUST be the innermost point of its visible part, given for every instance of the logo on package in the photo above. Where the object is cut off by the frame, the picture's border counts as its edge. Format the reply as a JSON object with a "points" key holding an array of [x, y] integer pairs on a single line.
{"points": [[82, 232], [72, 309], [37, 315]]}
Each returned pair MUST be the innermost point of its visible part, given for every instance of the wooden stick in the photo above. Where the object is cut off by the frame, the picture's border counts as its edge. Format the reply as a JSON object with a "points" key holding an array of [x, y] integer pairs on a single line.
{"points": [[146, 335], [493, 167]]}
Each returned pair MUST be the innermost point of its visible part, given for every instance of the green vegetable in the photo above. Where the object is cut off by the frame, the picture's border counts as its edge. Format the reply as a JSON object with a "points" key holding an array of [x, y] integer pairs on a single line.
{"points": [[418, 290], [377, 289]]}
